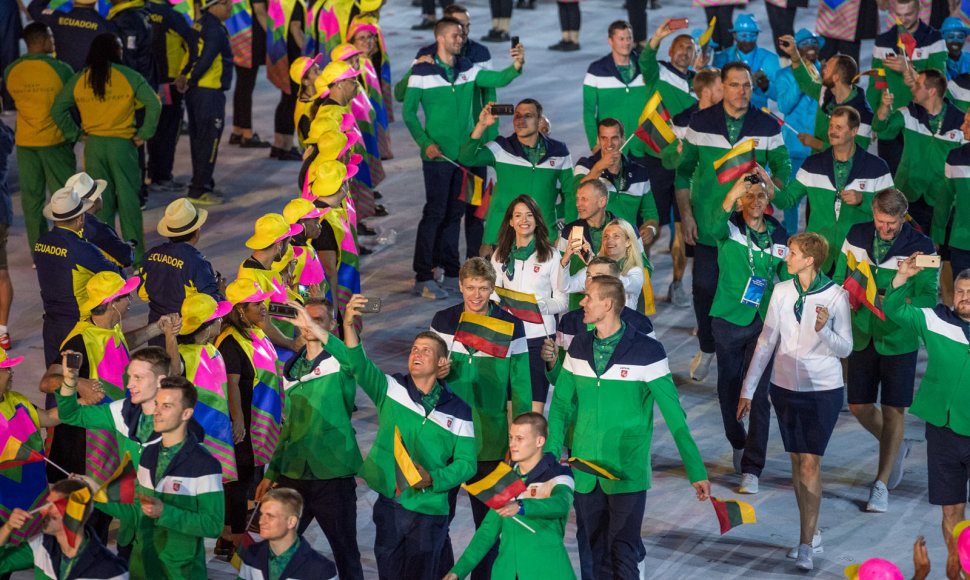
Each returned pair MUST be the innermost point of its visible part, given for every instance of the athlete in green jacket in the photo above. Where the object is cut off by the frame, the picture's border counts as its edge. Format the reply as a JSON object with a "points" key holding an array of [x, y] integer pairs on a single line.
{"points": [[180, 498], [419, 413], [943, 399], [610, 380], [535, 551]]}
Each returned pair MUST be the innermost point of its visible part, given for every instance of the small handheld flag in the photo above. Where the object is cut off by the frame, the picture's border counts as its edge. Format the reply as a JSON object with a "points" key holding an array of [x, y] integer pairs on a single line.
{"points": [[732, 513], [861, 286], [16, 453], [906, 43], [707, 34], [120, 487], [654, 126], [247, 539], [520, 304], [489, 335], [72, 513], [497, 488], [781, 122], [878, 77], [405, 471], [590, 467], [736, 162]]}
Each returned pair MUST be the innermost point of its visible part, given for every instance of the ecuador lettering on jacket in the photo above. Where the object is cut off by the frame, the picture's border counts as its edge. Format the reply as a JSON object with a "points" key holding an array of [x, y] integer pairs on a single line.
{"points": [[170, 271], [65, 262]]}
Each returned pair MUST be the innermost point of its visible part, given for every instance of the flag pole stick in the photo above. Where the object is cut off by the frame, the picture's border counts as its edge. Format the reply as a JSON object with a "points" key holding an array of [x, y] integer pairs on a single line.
{"points": [[526, 526], [38, 508], [622, 147], [64, 471]]}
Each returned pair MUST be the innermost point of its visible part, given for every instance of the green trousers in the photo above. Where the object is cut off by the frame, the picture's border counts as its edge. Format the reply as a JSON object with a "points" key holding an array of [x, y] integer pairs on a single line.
{"points": [[116, 160], [42, 169]]}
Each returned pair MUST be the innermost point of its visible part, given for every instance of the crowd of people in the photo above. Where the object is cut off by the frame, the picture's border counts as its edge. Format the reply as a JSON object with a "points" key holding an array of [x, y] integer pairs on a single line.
{"points": [[232, 409]]}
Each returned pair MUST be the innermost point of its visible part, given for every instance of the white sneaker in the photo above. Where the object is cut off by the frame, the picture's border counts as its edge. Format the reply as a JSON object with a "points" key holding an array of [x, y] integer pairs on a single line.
{"points": [[749, 483], [816, 546], [678, 295], [700, 366], [896, 475], [738, 455], [805, 557], [878, 498]]}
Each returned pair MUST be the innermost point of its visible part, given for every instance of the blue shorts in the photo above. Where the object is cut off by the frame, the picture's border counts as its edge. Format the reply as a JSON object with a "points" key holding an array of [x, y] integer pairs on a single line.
{"points": [[806, 419], [868, 369], [948, 465]]}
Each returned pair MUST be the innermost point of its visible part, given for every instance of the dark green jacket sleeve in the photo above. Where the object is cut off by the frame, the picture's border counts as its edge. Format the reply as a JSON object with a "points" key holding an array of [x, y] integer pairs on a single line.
{"points": [[19, 557], [497, 79], [369, 377], [401, 87], [561, 412], [676, 419], [790, 195], [806, 83], [687, 166], [88, 417], [205, 523], [481, 543], [889, 128], [474, 153]]}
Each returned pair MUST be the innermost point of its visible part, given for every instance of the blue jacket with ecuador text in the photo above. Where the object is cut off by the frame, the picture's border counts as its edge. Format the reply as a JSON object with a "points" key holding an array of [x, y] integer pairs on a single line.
{"points": [[170, 271], [65, 262]]}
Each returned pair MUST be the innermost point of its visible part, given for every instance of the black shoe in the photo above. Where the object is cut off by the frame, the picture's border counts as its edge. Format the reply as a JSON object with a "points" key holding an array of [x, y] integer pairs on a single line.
{"points": [[380, 210], [365, 230], [565, 46], [254, 142], [377, 194], [531, 5], [235, 139], [285, 155], [496, 36], [363, 251], [425, 25], [520, 4], [223, 547]]}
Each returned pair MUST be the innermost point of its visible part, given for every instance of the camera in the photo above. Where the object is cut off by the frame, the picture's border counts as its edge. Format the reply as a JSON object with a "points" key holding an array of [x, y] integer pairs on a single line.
{"points": [[753, 179]]}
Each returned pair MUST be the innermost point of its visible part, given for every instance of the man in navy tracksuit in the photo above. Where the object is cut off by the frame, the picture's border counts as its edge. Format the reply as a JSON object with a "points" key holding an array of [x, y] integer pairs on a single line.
{"points": [[73, 30], [283, 553], [208, 81], [172, 38]]}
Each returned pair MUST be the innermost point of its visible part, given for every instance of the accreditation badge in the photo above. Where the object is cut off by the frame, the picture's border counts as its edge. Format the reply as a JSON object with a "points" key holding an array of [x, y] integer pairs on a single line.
{"points": [[754, 291]]}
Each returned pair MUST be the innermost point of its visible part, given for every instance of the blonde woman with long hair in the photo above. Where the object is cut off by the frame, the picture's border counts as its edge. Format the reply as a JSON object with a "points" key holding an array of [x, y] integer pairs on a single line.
{"points": [[620, 242]]}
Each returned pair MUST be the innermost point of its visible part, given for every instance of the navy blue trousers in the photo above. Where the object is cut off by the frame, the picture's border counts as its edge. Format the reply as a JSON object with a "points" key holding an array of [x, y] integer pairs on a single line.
{"points": [[207, 115], [408, 544], [436, 243], [612, 523]]}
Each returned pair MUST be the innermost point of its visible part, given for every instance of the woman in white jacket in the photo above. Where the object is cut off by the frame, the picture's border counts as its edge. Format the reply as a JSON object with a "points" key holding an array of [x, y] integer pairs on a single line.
{"points": [[525, 261], [809, 323], [621, 243]]}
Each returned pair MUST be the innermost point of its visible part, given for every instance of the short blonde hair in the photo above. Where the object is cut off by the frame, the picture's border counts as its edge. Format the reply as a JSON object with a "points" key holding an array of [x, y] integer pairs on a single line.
{"points": [[477, 267], [633, 255], [811, 245], [288, 497]]}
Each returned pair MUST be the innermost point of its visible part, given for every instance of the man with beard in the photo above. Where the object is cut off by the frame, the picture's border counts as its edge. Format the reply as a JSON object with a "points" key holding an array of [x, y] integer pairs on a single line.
{"points": [[835, 88], [943, 398], [51, 553]]}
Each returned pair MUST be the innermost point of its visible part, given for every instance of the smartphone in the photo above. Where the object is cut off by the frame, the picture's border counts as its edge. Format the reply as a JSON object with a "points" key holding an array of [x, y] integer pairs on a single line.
{"points": [[515, 41], [73, 360], [372, 306], [576, 233], [503, 109], [924, 261], [281, 310], [677, 24], [784, 43]]}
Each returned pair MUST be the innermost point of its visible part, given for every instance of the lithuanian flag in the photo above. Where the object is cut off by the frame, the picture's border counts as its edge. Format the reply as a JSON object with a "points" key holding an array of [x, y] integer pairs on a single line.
{"points": [[905, 42], [489, 335], [405, 472], [732, 513], [707, 34], [520, 304], [861, 286], [654, 129], [590, 467], [16, 452], [736, 162], [497, 488], [72, 513], [878, 77], [120, 487]]}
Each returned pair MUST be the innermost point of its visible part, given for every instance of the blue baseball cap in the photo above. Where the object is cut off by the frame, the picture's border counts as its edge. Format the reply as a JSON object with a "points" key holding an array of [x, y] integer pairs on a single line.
{"points": [[805, 34], [745, 23], [954, 24]]}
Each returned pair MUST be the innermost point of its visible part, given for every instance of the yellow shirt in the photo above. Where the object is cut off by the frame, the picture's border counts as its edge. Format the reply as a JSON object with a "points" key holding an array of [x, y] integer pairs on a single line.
{"points": [[113, 116], [34, 81]]}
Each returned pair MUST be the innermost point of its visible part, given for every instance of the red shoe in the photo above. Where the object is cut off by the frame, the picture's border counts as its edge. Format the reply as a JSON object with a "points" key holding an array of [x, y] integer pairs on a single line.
{"points": [[5, 343]]}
